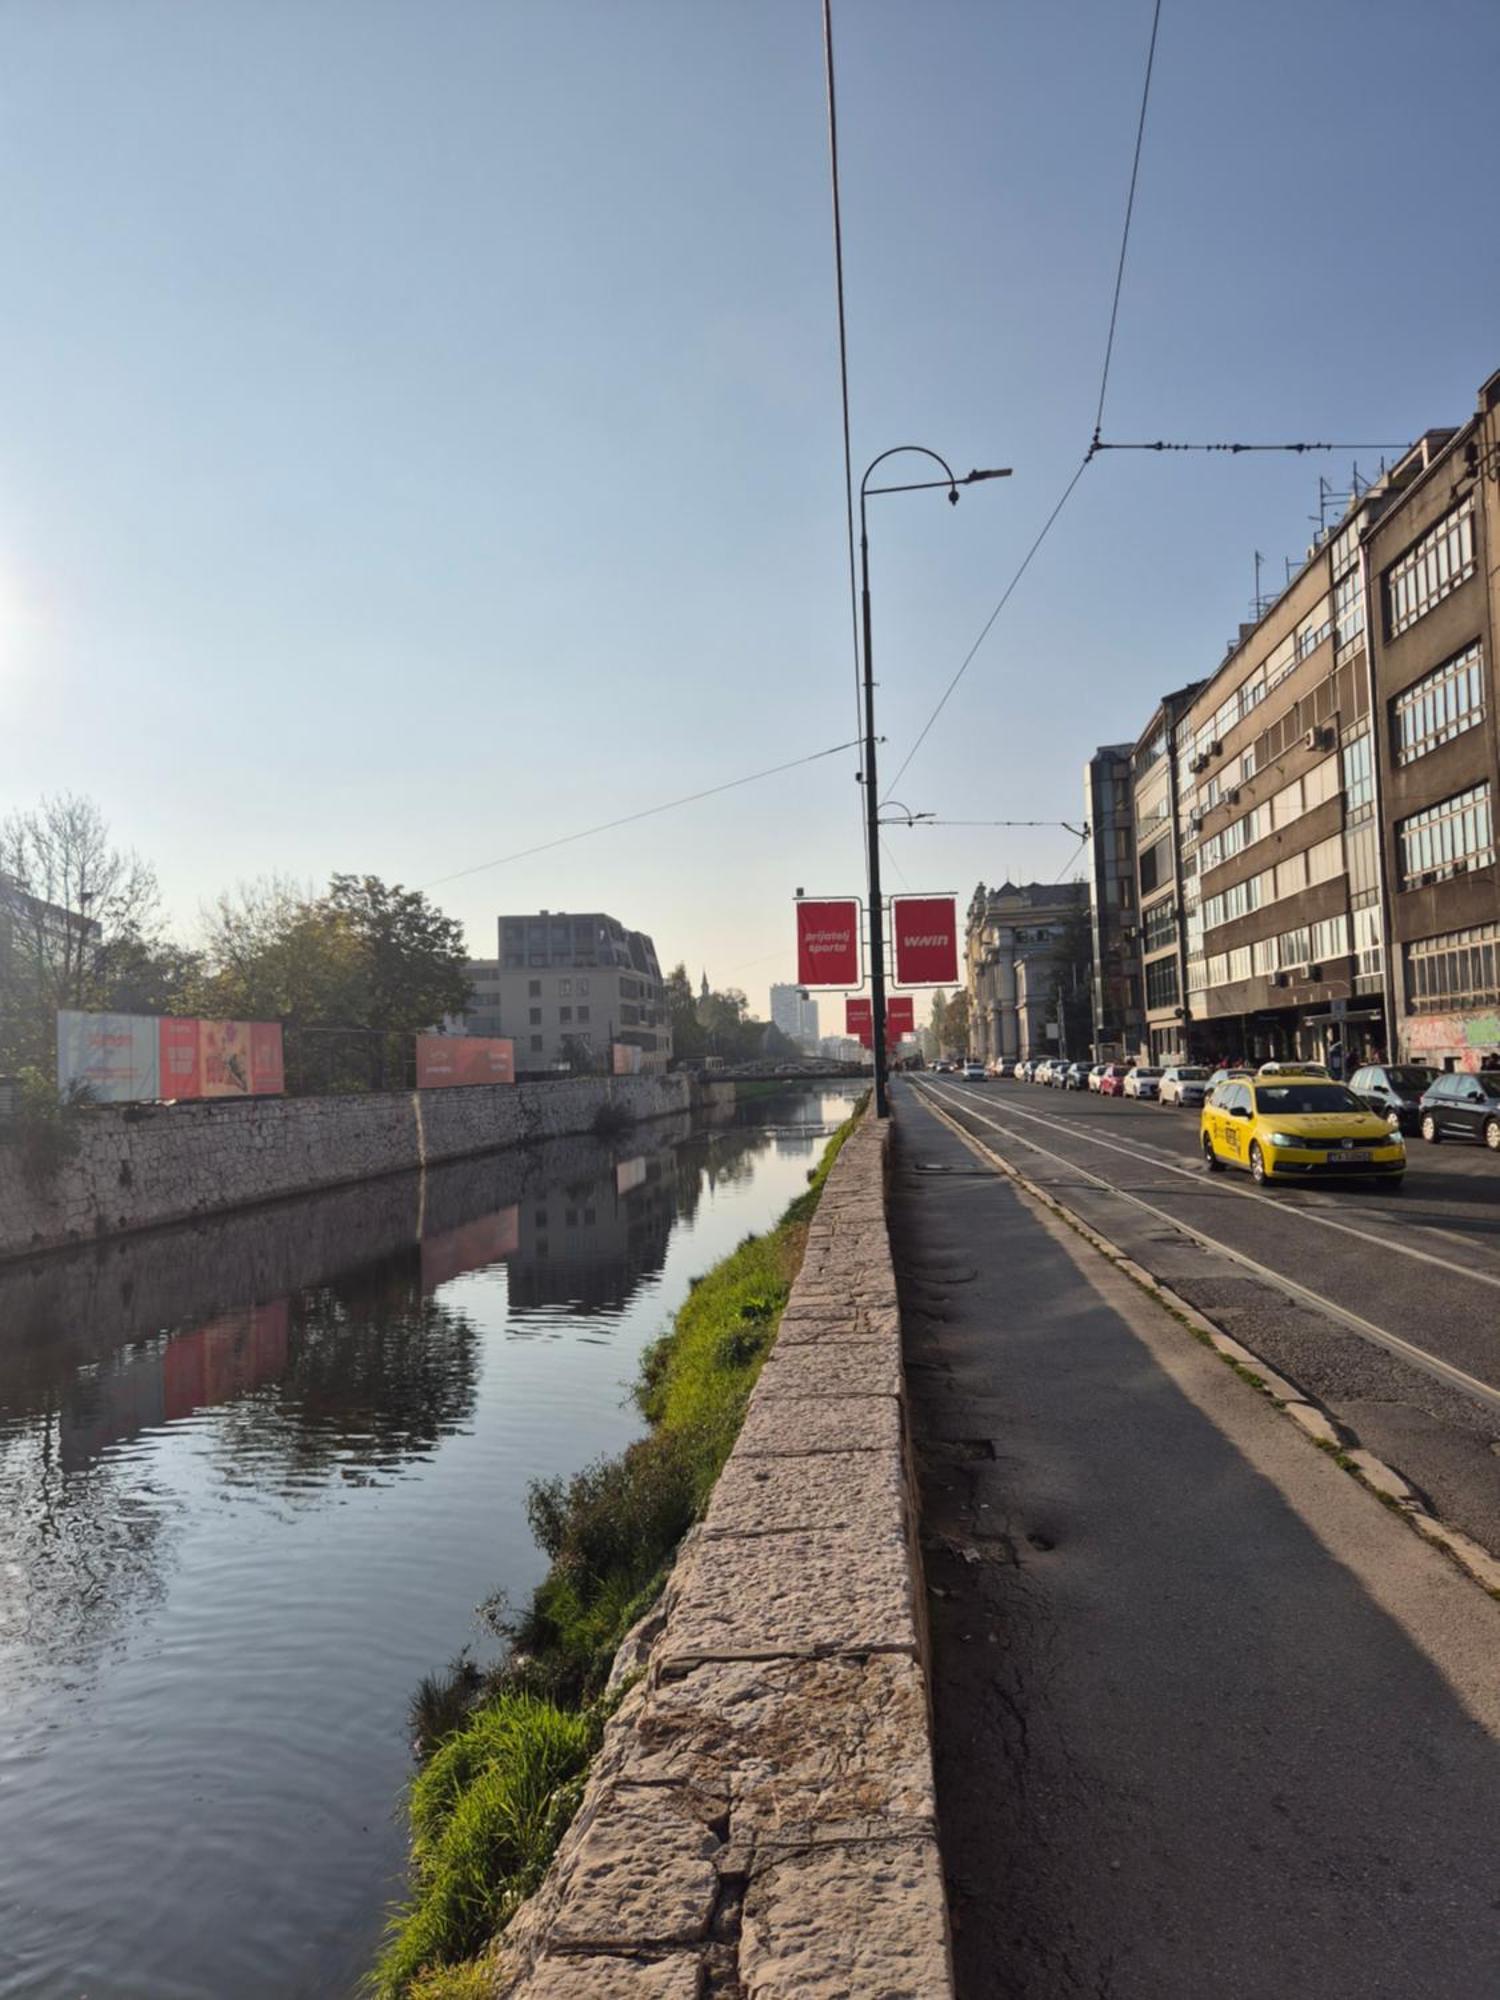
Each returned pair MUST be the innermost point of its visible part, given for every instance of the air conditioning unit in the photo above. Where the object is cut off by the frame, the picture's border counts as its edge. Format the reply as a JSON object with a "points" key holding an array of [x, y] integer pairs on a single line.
{"points": [[1315, 972], [1460, 867], [1282, 979], [1195, 821], [1232, 798], [1430, 876], [1327, 737], [1310, 740], [1216, 749], [1304, 972], [1200, 762]]}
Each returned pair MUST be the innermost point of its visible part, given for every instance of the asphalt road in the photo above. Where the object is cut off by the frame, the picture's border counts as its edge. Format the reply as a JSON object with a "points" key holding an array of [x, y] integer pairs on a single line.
{"points": [[1209, 1719], [1310, 1279]]}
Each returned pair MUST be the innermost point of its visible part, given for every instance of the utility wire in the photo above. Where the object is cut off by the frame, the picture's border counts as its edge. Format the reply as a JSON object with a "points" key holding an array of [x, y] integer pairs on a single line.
{"points": [[1067, 870], [649, 812], [1135, 168], [1161, 445], [1047, 525]]}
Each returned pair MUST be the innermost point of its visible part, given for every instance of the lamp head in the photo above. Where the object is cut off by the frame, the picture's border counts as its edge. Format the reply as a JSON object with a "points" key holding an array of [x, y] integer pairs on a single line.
{"points": [[952, 496]]}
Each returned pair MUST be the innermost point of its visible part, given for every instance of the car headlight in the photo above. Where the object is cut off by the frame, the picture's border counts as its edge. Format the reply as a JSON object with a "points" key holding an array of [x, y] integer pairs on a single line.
{"points": [[1286, 1139]]}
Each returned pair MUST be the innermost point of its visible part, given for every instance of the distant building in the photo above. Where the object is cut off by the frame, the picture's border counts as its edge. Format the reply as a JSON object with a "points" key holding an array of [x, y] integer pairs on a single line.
{"points": [[1166, 882], [565, 987], [795, 1013], [1010, 965], [1114, 913]]}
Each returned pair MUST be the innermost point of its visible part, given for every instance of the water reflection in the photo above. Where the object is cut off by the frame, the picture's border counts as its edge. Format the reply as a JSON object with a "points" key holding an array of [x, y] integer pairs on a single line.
{"points": [[254, 1474]]}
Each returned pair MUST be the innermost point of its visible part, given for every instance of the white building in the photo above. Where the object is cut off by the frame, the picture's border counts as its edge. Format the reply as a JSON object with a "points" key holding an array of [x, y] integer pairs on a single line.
{"points": [[795, 1012]]}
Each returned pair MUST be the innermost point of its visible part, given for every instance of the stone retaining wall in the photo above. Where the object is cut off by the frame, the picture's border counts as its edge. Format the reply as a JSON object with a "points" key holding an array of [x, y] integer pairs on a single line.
{"points": [[140, 1166], [760, 1822]]}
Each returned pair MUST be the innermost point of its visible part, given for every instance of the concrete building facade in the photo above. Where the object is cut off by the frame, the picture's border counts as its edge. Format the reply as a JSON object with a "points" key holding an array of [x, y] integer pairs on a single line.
{"points": [[1114, 920], [795, 1012], [1432, 560], [1011, 944], [1155, 763], [565, 987]]}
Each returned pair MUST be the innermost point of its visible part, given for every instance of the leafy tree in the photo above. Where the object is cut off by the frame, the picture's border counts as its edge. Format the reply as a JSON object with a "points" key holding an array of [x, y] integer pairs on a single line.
{"points": [[688, 1039], [935, 1034], [414, 956], [957, 1022], [78, 917]]}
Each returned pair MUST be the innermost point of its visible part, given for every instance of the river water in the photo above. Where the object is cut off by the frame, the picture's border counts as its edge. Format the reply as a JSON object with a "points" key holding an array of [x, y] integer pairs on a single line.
{"points": [[255, 1478]]}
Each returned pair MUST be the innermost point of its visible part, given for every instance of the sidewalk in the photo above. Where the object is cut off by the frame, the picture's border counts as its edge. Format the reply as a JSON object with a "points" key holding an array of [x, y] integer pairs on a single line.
{"points": [[1210, 1721]]}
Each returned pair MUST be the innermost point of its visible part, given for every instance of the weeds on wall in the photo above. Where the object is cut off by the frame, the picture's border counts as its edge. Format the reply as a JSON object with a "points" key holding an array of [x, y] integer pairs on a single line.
{"points": [[45, 1128], [507, 1753]]}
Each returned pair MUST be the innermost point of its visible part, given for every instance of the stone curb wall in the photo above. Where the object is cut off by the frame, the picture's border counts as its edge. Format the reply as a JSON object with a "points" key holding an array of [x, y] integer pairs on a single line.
{"points": [[140, 1166], [760, 1822]]}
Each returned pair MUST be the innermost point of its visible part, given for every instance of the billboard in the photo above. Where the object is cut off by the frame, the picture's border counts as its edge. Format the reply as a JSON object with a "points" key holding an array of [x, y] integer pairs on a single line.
{"points": [[859, 1021], [925, 933], [447, 1059], [900, 1019], [625, 1059], [828, 943], [127, 1058]]}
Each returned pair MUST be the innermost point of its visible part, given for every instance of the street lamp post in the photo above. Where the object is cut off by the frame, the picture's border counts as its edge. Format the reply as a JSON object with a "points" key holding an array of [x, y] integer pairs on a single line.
{"points": [[872, 790]]}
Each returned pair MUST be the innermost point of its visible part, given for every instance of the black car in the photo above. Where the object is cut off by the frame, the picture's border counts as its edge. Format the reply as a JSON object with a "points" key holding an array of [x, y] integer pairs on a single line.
{"points": [[1464, 1104], [1395, 1091]]}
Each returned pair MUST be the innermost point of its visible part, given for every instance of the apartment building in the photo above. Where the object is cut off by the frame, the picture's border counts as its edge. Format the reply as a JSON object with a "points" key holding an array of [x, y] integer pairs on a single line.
{"points": [[1119, 1019], [1433, 563], [1011, 942], [795, 1012], [565, 987], [1161, 941]]}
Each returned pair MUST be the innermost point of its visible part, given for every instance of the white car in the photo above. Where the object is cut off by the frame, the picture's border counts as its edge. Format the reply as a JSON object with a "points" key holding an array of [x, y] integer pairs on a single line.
{"points": [[1143, 1081], [1183, 1085], [1094, 1075], [973, 1072]]}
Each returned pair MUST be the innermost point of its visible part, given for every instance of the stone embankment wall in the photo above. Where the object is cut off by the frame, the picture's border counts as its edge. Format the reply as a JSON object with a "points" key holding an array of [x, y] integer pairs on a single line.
{"points": [[761, 1820], [140, 1166]]}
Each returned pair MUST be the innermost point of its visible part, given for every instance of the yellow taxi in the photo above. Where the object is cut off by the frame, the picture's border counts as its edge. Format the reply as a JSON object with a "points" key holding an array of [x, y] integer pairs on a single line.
{"points": [[1285, 1124]]}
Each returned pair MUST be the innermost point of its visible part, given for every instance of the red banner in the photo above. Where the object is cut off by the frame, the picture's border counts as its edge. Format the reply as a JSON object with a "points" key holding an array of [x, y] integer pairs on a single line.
{"points": [[859, 1021], [446, 1059], [828, 943], [900, 1019], [925, 930], [181, 1062]]}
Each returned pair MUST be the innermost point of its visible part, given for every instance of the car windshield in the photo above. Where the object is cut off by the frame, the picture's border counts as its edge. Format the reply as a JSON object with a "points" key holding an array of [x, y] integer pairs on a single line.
{"points": [[1414, 1081], [1300, 1099], [1192, 1076]]}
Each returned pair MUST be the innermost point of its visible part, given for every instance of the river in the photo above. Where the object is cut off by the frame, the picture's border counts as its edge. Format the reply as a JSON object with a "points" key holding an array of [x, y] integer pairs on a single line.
{"points": [[255, 1478]]}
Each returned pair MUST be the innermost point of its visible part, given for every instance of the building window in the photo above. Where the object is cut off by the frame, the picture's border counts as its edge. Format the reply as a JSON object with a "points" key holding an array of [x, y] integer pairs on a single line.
{"points": [[1161, 983], [1359, 776], [1330, 939], [1160, 923], [536, 1045], [1441, 705], [565, 1013], [533, 989], [1348, 609], [583, 986], [535, 1017], [1156, 866], [1326, 860], [1434, 566], [1458, 969], [1445, 839], [583, 1013], [1368, 943], [564, 989]]}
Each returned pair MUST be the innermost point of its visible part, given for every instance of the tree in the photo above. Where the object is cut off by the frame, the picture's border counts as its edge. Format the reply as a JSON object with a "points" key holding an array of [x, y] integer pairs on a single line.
{"points": [[688, 1040], [415, 959], [935, 1034], [78, 917], [957, 1022]]}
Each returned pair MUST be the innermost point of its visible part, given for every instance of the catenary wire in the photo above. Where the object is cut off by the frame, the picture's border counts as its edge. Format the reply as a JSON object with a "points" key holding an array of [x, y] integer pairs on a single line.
{"points": [[647, 812], [1135, 169], [1161, 444]]}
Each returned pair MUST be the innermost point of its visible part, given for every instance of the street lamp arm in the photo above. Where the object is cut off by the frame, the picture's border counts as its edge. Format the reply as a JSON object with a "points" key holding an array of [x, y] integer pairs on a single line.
{"points": [[922, 452]]}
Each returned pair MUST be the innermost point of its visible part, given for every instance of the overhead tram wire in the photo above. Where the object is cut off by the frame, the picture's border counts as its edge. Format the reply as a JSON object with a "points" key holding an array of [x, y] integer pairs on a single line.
{"points": [[1161, 444], [647, 812], [1109, 348]]}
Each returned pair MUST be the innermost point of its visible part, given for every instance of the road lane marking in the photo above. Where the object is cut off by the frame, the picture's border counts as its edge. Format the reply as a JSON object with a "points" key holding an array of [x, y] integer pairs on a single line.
{"points": [[1434, 1364], [1194, 1174]]}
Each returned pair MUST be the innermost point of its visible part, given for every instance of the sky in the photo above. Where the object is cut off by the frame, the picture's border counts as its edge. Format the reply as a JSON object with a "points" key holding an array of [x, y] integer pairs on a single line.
{"points": [[420, 431]]}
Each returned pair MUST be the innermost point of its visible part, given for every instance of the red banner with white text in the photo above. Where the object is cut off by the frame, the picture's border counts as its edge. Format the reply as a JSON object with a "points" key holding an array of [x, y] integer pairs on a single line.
{"points": [[859, 1021], [900, 1019], [449, 1059], [924, 930], [828, 943]]}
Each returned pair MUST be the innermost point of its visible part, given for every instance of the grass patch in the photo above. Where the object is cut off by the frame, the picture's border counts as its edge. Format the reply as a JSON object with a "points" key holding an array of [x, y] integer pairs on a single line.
{"points": [[508, 1753]]}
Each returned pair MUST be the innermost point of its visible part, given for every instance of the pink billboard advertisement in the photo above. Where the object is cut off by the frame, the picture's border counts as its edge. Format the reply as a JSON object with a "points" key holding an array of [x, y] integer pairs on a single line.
{"points": [[448, 1059], [128, 1058]]}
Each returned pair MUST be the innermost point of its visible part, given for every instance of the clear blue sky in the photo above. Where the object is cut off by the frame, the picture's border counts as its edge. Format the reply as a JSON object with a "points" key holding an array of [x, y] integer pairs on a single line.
{"points": [[420, 422]]}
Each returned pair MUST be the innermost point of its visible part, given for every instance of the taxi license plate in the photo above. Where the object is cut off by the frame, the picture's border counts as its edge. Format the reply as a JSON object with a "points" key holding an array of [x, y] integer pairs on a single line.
{"points": [[1354, 1156]]}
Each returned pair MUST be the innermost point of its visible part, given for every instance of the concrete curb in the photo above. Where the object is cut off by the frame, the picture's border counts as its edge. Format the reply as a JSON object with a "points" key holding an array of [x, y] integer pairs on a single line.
{"points": [[761, 1820], [1305, 1411]]}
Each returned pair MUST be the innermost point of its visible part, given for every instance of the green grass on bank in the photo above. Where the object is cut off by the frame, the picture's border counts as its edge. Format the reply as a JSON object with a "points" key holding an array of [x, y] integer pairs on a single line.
{"points": [[507, 1769]]}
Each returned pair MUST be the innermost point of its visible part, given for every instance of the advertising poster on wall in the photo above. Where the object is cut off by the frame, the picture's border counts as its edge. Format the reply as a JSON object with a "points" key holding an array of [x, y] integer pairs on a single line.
{"points": [[625, 1059], [925, 933], [137, 1058], [449, 1059], [828, 951], [113, 1056]]}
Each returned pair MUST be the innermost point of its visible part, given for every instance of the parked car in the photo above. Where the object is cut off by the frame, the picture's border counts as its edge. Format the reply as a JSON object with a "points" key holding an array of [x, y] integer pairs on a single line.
{"points": [[1144, 1081], [1463, 1104], [1294, 1069], [1003, 1066], [1183, 1084], [1057, 1069], [1395, 1091], [1112, 1083], [1095, 1073], [1286, 1127], [1225, 1075], [1077, 1077], [973, 1072]]}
